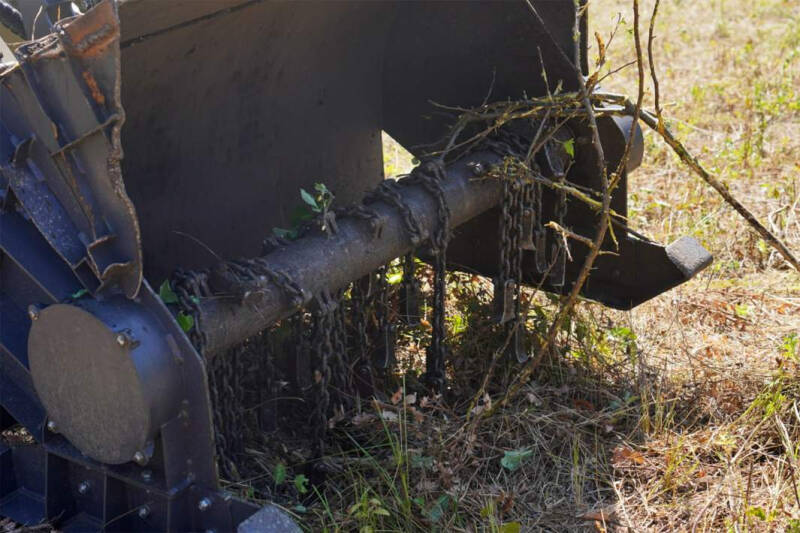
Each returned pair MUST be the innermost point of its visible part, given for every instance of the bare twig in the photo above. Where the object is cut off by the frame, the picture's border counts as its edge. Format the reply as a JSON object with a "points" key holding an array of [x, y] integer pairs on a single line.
{"points": [[712, 180], [653, 75], [639, 96], [568, 302]]}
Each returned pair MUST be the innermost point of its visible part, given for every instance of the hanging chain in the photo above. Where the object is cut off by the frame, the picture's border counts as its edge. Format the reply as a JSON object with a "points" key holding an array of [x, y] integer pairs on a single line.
{"points": [[409, 292], [517, 199], [341, 371], [430, 175], [383, 356], [362, 295], [189, 287], [322, 351]]}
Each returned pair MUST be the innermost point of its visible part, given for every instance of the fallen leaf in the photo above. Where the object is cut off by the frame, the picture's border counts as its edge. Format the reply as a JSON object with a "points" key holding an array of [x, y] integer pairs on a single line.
{"points": [[363, 418], [397, 396], [624, 454], [583, 404], [533, 399], [512, 459], [389, 416]]}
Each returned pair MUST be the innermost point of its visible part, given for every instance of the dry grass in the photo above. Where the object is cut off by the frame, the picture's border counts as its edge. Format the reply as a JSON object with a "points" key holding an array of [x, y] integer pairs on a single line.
{"points": [[680, 415]]}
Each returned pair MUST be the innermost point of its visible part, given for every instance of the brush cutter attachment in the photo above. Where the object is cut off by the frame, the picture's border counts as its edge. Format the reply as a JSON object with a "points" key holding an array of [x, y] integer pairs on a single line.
{"points": [[122, 405]]}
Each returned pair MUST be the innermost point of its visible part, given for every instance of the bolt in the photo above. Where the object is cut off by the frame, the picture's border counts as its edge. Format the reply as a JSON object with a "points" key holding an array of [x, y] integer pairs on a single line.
{"points": [[83, 487], [147, 476], [204, 504], [33, 312], [51, 426], [140, 458], [144, 512], [122, 340], [477, 167]]}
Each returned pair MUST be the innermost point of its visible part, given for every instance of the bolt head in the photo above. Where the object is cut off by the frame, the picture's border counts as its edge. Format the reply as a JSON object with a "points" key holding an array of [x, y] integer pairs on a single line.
{"points": [[204, 504], [51, 426], [147, 476], [83, 487], [122, 340], [33, 312], [144, 512], [140, 458]]}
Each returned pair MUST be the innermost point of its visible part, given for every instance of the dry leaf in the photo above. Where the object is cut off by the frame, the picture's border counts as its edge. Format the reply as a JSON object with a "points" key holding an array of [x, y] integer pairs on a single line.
{"points": [[624, 454], [411, 399], [389, 416], [533, 399], [363, 418], [397, 396], [583, 404]]}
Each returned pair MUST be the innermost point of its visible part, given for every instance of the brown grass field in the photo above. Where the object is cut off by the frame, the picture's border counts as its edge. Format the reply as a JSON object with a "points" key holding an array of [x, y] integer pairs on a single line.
{"points": [[681, 415]]}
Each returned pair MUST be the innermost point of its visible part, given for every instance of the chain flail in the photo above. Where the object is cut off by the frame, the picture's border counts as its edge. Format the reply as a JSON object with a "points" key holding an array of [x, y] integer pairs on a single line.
{"points": [[383, 356], [430, 175], [410, 292], [322, 351], [516, 212]]}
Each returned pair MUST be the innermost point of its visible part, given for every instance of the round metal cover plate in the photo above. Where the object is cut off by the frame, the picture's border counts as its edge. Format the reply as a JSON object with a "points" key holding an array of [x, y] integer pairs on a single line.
{"points": [[88, 384]]}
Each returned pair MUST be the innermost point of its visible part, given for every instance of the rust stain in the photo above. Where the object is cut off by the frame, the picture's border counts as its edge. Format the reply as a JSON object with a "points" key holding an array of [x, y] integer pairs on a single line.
{"points": [[93, 87], [89, 35]]}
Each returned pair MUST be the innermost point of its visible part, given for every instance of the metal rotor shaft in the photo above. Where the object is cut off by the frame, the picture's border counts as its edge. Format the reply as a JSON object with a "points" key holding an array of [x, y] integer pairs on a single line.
{"points": [[330, 261]]}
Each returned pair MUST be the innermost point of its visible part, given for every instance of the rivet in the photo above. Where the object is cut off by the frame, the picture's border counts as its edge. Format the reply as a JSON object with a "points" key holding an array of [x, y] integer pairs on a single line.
{"points": [[122, 340], [144, 512], [140, 458], [33, 312], [51, 426], [204, 504], [84, 487]]}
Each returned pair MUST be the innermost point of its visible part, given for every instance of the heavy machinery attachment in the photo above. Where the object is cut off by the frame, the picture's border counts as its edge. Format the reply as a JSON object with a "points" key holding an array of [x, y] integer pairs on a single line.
{"points": [[144, 141]]}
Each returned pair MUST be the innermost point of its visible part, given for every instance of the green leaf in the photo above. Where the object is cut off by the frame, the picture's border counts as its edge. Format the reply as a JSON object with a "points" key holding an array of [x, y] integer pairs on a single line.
{"points": [[757, 512], [300, 214], [186, 322], [166, 293], [321, 188], [419, 501], [279, 473], [393, 278], [511, 527], [310, 200], [285, 233], [79, 294], [299, 508], [437, 510], [513, 459], [569, 147], [300, 482]]}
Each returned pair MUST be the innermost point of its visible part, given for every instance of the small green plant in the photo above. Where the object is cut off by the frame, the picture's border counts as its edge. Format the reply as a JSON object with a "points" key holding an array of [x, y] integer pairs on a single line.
{"points": [[314, 205], [367, 512]]}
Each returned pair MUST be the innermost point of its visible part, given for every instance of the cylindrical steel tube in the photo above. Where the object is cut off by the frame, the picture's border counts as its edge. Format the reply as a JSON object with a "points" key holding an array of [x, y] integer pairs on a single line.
{"points": [[318, 261]]}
